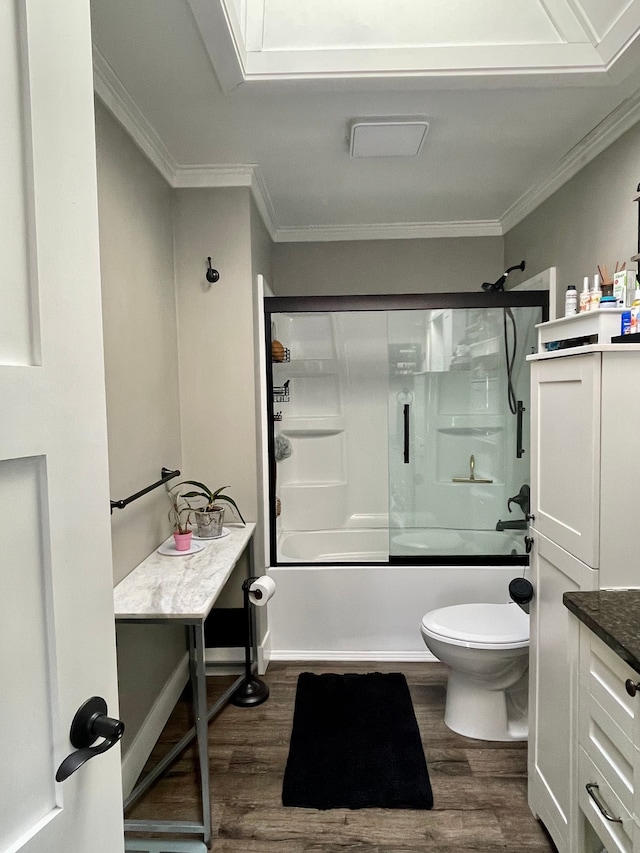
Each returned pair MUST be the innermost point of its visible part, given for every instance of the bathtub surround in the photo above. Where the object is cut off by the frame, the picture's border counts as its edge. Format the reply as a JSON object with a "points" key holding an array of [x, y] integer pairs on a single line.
{"points": [[370, 613], [358, 488], [396, 414]]}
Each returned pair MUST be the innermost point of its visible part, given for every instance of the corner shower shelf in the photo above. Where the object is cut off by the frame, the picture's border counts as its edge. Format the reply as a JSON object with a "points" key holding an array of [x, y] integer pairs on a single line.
{"points": [[469, 423], [311, 366], [479, 349], [326, 425]]}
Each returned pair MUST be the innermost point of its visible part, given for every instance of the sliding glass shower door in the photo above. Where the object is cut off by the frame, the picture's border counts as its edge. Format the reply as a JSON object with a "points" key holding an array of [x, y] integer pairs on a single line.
{"points": [[458, 431], [400, 434]]}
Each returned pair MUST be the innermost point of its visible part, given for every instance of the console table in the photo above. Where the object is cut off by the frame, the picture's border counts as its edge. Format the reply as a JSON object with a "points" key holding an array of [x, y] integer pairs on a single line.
{"points": [[183, 590]]}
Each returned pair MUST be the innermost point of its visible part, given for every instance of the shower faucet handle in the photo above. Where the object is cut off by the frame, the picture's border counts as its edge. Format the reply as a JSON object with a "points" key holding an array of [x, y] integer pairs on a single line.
{"points": [[523, 499]]}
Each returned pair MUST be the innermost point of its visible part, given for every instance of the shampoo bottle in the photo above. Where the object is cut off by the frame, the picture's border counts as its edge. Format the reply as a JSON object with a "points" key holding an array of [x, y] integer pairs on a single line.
{"points": [[634, 327], [571, 301], [595, 295], [585, 296]]}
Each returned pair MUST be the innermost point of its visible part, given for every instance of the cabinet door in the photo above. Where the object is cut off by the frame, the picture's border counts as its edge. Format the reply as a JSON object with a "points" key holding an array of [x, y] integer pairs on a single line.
{"points": [[565, 453], [553, 684]]}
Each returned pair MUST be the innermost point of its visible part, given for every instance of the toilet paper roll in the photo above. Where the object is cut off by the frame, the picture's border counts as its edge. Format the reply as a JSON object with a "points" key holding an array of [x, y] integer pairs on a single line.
{"points": [[261, 590]]}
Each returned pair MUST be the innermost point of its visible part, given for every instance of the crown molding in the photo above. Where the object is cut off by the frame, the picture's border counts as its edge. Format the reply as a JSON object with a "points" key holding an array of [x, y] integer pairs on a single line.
{"points": [[231, 175], [389, 231], [222, 175], [264, 204], [594, 143], [119, 102]]}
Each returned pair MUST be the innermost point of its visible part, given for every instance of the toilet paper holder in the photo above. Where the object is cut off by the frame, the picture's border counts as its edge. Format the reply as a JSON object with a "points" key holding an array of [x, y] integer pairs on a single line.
{"points": [[253, 691], [521, 591]]}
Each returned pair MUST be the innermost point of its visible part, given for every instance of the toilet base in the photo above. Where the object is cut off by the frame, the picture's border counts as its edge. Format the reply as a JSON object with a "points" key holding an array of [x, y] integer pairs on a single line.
{"points": [[474, 711]]}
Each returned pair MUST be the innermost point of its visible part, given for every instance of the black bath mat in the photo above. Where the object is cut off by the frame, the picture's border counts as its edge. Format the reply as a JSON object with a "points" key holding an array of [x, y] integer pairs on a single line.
{"points": [[355, 744]]}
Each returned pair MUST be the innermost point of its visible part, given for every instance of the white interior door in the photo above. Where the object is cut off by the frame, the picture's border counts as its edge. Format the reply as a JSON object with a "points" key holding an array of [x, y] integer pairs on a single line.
{"points": [[56, 604]]}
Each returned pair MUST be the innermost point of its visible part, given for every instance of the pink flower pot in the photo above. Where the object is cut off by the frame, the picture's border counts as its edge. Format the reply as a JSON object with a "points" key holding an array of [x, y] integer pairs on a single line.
{"points": [[183, 540]]}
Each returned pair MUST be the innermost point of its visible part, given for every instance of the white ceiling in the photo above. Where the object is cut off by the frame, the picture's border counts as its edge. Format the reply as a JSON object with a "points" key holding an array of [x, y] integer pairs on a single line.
{"points": [[519, 94]]}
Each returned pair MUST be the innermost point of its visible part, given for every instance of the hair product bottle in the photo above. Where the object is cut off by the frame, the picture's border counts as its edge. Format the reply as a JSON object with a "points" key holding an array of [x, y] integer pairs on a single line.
{"points": [[595, 295], [585, 296]]}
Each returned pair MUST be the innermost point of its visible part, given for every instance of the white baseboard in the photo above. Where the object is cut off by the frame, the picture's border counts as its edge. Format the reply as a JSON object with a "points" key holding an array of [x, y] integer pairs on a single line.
{"points": [[348, 655], [140, 749], [231, 658], [264, 653]]}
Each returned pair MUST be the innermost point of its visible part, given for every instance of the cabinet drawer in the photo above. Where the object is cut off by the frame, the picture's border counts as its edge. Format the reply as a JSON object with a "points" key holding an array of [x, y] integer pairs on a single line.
{"points": [[608, 747], [617, 836], [604, 674]]}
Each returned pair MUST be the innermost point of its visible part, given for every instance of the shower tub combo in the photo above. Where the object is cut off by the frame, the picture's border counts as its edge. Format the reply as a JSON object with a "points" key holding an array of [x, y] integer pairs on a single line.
{"points": [[398, 465]]}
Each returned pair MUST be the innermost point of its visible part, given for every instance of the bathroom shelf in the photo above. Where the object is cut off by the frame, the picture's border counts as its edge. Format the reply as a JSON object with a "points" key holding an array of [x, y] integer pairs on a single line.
{"points": [[313, 426], [310, 366], [600, 326], [479, 349], [472, 422]]}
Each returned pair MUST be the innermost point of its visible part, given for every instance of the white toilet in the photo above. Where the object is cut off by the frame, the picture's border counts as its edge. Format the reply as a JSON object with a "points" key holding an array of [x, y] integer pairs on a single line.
{"points": [[486, 647]]}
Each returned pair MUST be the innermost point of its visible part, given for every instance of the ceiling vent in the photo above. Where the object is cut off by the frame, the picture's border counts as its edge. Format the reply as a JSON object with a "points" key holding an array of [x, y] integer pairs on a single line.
{"points": [[387, 137]]}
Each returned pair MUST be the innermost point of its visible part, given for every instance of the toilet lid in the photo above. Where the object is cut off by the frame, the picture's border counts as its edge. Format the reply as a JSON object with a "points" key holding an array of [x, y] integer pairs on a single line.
{"points": [[480, 624]]}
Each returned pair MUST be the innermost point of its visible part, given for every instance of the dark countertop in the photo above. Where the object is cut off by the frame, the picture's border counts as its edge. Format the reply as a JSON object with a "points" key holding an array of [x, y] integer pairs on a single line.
{"points": [[614, 616]]}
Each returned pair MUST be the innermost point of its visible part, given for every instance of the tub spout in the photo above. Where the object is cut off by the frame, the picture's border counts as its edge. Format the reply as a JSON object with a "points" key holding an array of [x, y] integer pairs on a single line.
{"points": [[521, 524]]}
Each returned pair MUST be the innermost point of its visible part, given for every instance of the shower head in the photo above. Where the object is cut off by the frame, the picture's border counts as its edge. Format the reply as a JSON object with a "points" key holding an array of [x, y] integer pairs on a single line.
{"points": [[499, 284]]}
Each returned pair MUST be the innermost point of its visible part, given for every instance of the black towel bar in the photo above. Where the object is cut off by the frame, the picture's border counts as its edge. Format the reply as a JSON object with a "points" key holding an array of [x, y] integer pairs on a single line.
{"points": [[166, 475]]}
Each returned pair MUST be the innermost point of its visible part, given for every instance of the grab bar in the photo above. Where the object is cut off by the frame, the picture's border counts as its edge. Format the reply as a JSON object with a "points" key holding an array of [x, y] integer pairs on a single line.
{"points": [[519, 448], [166, 475], [406, 433]]}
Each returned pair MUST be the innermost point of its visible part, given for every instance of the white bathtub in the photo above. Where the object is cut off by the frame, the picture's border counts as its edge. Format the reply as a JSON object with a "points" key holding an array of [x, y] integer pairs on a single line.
{"points": [[369, 612], [371, 545]]}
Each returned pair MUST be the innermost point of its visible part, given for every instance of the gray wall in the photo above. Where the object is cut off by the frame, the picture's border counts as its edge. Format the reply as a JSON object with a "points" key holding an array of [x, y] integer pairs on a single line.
{"points": [[180, 373], [386, 266], [590, 220], [143, 414], [216, 346]]}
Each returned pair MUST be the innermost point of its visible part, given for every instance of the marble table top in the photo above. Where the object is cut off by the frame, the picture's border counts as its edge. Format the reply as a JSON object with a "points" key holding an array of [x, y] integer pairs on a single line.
{"points": [[614, 616], [180, 588]]}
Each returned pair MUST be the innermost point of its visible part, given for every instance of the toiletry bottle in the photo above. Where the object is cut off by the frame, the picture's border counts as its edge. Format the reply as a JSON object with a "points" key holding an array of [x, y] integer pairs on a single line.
{"points": [[585, 296], [596, 293], [571, 301], [634, 326]]}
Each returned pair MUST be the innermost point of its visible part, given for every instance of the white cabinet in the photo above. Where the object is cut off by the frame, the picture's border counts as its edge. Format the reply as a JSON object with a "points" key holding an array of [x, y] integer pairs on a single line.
{"points": [[565, 453], [552, 684], [585, 417], [608, 735], [585, 422]]}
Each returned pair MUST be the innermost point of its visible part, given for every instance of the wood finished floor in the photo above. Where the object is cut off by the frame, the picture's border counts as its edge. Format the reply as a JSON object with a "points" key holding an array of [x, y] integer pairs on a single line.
{"points": [[479, 787]]}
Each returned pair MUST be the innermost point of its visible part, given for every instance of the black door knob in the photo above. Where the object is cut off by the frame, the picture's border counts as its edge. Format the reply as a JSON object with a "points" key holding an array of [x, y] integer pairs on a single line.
{"points": [[90, 723], [631, 687]]}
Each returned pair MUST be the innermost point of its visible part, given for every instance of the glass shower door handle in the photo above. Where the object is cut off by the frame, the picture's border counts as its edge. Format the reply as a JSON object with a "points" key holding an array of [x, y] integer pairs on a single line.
{"points": [[405, 416], [519, 413]]}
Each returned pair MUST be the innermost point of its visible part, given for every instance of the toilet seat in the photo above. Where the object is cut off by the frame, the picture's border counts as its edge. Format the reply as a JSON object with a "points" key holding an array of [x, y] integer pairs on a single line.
{"points": [[479, 626]]}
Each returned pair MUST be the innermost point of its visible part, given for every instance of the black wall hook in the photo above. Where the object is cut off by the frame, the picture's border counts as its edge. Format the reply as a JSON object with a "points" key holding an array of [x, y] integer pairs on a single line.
{"points": [[212, 275]]}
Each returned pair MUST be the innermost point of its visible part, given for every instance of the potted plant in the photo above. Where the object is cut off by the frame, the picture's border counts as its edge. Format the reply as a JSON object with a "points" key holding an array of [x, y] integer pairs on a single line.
{"points": [[210, 517], [180, 516]]}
